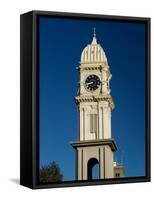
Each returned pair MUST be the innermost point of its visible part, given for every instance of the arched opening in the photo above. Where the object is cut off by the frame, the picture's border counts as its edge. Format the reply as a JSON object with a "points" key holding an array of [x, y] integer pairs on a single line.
{"points": [[93, 169]]}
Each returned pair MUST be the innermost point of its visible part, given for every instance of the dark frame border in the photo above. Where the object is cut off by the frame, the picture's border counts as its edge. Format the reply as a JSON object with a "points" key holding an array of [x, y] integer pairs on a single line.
{"points": [[29, 99]]}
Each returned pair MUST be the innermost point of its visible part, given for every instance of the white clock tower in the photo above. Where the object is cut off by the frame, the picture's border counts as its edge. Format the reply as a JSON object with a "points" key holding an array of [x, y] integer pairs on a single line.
{"points": [[95, 104]]}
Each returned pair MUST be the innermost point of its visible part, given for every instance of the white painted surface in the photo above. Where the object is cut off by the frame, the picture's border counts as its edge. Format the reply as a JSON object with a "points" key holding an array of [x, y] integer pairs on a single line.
{"points": [[92, 57]]}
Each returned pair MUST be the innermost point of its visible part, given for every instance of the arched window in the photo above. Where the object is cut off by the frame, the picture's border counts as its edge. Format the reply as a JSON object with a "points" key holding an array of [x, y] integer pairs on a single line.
{"points": [[93, 169]]}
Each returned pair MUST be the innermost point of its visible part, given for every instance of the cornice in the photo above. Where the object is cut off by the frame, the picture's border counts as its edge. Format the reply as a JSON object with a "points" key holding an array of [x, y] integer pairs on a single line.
{"points": [[94, 62], [102, 142], [99, 98], [93, 66]]}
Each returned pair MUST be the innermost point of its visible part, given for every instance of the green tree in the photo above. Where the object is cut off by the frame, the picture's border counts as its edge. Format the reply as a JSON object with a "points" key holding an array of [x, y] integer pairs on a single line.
{"points": [[50, 173]]}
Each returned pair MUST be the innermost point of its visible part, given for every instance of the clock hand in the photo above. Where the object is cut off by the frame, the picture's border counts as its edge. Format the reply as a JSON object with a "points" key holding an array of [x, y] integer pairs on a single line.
{"points": [[90, 83]]}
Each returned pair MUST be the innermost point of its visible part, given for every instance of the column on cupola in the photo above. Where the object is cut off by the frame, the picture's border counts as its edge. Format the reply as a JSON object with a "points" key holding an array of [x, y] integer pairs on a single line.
{"points": [[105, 82], [106, 121], [85, 124], [81, 122], [109, 122], [100, 127]]}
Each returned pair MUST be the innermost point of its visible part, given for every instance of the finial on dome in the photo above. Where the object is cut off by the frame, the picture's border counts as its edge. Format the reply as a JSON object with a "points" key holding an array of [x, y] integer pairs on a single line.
{"points": [[94, 32], [94, 41]]}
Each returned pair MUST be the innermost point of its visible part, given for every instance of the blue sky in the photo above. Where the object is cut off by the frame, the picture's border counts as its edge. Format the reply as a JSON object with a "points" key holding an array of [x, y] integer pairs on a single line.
{"points": [[61, 43]]}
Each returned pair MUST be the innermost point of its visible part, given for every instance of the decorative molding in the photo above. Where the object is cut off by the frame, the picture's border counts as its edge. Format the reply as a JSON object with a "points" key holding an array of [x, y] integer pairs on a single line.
{"points": [[81, 99], [95, 66], [88, 143], [94, 62]]}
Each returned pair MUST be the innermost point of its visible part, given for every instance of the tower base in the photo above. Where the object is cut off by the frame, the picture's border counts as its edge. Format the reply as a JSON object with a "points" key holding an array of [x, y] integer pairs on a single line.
{"points": [[91, 152]]}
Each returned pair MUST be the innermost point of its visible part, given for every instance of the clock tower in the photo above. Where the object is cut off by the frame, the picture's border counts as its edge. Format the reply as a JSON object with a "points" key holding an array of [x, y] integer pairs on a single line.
{"points": [[95, 104]]}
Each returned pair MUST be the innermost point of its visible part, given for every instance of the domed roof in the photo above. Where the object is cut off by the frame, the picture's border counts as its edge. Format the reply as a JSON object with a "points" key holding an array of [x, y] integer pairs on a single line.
{"points": [[93, 52]]}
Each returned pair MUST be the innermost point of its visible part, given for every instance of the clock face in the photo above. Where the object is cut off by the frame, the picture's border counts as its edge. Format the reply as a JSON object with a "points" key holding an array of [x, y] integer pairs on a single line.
{"points": [[92, 82]]}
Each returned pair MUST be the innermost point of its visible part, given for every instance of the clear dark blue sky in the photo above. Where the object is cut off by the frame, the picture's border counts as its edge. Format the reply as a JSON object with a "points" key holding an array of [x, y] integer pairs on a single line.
{"points": [[61, 43]]}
